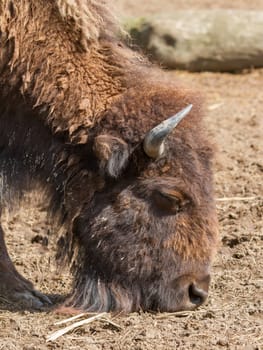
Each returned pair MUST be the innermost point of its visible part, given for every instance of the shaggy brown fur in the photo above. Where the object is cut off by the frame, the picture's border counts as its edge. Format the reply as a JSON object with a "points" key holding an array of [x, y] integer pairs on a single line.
{"points": [[75, 105]]}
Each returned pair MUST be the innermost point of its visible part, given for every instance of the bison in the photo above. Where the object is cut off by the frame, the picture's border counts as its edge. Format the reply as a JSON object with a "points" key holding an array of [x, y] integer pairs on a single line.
{"points": [[105, 133]]}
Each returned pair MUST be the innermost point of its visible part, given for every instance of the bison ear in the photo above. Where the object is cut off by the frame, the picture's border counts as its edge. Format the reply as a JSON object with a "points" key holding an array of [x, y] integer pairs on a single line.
{"points": [[112, 153]]}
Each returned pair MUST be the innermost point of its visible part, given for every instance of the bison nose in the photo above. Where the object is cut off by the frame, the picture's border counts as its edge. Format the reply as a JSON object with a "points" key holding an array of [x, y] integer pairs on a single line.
{"points": [[197, 294], [191, 291]]}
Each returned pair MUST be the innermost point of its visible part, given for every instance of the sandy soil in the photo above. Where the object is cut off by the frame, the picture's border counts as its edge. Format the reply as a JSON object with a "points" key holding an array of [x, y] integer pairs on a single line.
{"points": [[232, 318]]}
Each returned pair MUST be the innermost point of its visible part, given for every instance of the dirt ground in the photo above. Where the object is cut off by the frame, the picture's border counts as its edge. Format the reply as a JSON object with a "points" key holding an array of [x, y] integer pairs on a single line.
{"points": [[232, 317]]}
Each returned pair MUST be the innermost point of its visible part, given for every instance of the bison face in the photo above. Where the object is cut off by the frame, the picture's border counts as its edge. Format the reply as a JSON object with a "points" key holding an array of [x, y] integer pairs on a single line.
{"points": [[148, 237], [146, 244]]}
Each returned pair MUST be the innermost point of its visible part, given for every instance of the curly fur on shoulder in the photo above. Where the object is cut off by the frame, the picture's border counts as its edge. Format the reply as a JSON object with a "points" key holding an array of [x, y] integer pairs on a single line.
{"points": [[90, 17]]}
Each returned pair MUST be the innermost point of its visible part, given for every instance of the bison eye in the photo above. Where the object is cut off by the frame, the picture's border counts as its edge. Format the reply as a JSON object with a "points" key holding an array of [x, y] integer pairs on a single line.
{"points": [[169, 201]]}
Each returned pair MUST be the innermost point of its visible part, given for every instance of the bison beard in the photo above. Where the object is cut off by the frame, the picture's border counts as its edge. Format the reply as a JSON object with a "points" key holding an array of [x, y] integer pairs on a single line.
{"points": [[76, 112]]}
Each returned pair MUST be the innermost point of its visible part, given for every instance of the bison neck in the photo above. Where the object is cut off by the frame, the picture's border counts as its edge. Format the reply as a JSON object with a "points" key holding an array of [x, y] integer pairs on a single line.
{"points": [[30, 154]]}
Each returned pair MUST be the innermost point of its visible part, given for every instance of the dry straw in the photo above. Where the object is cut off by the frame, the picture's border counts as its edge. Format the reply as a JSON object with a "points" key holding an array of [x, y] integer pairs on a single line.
{"points": [[62, 331]]}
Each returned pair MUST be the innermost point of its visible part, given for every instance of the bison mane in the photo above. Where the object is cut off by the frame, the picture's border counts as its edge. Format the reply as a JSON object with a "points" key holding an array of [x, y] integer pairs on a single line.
{"points": [[92, 19]]}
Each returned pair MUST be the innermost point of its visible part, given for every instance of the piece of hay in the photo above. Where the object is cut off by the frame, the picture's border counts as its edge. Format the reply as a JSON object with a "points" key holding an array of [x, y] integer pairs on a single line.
{"points": [[70, 319], [228, 199], [69, 328]]}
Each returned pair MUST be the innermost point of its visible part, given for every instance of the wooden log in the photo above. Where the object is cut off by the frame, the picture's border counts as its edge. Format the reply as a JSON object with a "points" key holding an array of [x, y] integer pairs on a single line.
{"points": [[198, 40]]}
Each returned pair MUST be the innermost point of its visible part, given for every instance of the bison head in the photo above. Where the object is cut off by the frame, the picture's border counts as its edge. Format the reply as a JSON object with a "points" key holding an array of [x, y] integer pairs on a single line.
{"points": [[147, 237]]}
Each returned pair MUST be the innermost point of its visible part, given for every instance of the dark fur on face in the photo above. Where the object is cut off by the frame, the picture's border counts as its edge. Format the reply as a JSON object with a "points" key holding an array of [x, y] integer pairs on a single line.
{"points": [[140, 232]]}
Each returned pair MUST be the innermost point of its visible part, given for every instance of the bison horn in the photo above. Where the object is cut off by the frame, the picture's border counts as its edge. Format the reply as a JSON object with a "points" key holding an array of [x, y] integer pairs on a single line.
{"points": [[154, 140]]}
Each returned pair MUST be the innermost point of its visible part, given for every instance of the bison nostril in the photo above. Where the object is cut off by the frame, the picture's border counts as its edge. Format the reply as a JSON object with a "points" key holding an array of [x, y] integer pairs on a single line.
{"points": [[197, 295]]}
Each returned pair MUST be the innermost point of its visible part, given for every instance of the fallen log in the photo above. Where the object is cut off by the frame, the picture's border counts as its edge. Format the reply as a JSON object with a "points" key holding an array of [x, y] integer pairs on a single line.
{"points": [[198, 40]]}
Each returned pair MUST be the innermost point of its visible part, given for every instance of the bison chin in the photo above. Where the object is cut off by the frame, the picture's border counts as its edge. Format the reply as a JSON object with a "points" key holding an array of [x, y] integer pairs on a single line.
{"points": [[93, 295]]}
